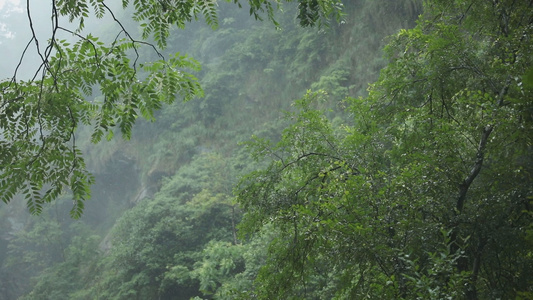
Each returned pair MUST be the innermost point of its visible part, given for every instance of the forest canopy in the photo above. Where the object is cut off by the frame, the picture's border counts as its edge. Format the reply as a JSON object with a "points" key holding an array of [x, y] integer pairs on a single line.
{"points": [[427, 194]]}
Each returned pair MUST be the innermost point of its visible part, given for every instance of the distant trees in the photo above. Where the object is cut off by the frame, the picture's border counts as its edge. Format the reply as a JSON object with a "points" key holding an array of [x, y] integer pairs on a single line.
{"points": [[39, 155], [426, 194]]}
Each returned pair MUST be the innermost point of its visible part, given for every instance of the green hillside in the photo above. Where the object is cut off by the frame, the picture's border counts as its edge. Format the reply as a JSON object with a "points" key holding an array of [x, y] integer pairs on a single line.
{"points": [[402, 172]]}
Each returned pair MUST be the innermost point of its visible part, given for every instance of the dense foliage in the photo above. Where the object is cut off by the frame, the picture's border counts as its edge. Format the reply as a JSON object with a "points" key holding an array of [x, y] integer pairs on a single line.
{"points": [[426, 194], [419, 188]]}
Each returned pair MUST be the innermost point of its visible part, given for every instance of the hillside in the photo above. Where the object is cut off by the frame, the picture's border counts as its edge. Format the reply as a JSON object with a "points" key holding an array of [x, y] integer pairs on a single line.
{"points": [[357, 188]]}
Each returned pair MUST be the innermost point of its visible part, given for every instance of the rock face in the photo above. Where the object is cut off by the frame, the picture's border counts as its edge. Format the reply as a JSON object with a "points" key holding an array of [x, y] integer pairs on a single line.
{"points": [[105, 244], [123, 175]]}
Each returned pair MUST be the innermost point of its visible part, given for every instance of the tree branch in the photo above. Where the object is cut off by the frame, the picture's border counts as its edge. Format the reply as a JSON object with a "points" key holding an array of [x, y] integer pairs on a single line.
{"points": [[467, 182]]}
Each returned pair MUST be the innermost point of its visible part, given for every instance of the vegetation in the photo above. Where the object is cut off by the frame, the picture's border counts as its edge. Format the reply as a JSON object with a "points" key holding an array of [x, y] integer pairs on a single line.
{"points": [[426, 194], [418, 187], [39, 154]]}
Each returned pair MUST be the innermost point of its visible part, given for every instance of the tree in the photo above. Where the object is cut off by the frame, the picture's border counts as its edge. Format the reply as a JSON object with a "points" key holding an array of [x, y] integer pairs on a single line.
{"points": [[426, 194], [157, 243], [87, 82]]}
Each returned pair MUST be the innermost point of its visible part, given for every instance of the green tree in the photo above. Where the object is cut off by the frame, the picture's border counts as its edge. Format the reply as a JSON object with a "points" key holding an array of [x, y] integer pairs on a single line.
{"points": [[156, 244], [425, 194], [51, 255], [39, 155], [62, 280]]}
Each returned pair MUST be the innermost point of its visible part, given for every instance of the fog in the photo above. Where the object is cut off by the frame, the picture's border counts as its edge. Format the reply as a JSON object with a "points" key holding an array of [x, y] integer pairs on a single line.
{"points": [[16, 34]]}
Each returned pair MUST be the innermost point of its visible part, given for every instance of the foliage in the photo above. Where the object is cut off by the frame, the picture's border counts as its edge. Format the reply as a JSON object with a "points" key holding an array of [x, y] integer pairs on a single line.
{"points": [[39, 154], [441, 145], [61, 281], [155, 244], [39, 148], [47, 257], [190, 156]]}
